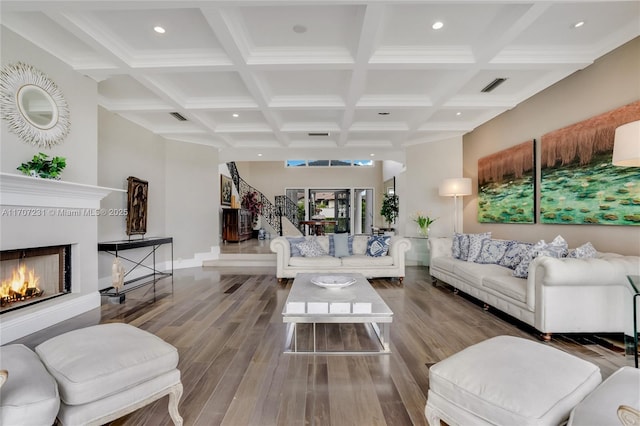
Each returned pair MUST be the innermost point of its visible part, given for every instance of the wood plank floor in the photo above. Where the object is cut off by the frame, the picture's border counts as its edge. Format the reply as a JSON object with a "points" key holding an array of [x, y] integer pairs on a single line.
{"points": [[227, 326]]}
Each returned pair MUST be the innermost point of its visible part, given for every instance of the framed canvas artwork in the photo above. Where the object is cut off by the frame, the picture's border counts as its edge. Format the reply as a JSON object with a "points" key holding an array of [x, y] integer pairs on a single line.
{"points": [[137, 197], [225, 190], [579, 184], [506, 185]]}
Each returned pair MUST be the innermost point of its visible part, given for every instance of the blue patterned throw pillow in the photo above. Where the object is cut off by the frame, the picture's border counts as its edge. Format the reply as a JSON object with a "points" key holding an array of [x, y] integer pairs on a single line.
{"points": [[456, 246], [475, 245], [293, 245], [378, 246], [492, 251], [557, 248], [340, 245], [585, 251], [311, 248], [514, 254]]}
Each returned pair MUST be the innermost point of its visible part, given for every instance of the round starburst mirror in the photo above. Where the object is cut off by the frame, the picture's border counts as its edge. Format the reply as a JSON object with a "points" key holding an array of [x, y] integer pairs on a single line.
{"points": [[33, 105]]}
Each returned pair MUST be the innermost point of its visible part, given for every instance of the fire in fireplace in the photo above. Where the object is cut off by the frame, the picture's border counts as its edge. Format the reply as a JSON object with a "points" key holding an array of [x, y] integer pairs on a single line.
{"points": [[32, 275]]}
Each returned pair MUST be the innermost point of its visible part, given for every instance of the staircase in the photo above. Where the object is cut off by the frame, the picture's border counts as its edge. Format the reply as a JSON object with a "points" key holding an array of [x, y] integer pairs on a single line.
{"points": [[272, 213], [256, 253]]}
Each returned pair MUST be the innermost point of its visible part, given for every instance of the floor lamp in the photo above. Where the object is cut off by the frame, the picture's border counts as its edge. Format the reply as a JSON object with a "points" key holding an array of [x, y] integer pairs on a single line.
{"points": [[626, 145], [455, 187], [626, 152]]}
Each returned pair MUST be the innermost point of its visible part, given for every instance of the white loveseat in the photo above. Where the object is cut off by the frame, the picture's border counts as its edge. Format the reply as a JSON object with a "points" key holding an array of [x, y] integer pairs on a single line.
{"points": [[391, 265], [564, 295]]}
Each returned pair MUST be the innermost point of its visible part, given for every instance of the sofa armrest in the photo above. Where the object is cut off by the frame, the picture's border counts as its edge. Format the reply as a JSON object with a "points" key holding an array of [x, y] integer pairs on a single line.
{"points": [[440, 247], [397, 248], [549, 271]]}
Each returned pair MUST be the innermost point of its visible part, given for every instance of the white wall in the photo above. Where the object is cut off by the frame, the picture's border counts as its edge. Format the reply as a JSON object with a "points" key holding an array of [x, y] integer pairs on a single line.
{"points": [[427, 165], [192, 198], [80, 150], [183, 197], [611, 82], [80, 145]]}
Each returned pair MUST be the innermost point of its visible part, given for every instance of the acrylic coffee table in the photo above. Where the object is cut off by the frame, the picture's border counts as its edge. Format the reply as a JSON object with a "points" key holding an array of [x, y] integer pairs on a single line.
{"points": [[357, 303]]}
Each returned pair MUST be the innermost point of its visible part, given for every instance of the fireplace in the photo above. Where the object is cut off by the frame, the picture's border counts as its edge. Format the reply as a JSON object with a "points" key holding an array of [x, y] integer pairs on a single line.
{"points": [[33, 275]]}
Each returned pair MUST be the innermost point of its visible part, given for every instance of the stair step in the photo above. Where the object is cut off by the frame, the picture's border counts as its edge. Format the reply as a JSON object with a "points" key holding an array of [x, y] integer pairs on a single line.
{"points": [[241, 259]]}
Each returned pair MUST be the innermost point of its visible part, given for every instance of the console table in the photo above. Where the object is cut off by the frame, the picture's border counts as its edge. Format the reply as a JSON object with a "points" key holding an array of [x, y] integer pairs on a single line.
{"points": [[153, 243]]}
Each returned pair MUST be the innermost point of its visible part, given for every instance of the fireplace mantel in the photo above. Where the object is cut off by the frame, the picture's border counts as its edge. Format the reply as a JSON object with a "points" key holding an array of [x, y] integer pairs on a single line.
{"points": [[18, 190], [39, 207]]}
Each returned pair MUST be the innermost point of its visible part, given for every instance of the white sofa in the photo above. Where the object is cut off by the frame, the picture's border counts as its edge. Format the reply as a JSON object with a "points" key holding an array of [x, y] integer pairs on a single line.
{"points": [[391, 265], [563, 295]]}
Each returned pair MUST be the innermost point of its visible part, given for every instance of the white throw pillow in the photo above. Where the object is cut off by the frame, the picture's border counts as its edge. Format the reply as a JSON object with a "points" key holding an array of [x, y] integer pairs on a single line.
{"points": [[311, 248]]}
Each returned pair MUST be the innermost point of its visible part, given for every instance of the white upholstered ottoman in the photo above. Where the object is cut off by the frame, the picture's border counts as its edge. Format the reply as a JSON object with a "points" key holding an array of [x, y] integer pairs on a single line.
{"points": [[109, 370], [507, 380], [601, 406], [30, 394]]}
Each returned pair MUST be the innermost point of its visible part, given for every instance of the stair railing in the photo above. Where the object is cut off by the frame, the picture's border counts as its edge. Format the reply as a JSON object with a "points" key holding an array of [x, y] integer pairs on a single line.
{"points": [[271, 212], [289, 209]]}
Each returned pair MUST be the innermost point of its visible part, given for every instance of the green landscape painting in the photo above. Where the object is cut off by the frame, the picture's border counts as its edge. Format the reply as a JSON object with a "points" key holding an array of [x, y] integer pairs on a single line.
{"points": [[506, 185], [579, 185]]}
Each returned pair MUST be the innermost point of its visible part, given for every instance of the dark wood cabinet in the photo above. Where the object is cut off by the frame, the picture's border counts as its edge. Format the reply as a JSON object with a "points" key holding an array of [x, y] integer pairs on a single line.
{"points": [[237, 225]]}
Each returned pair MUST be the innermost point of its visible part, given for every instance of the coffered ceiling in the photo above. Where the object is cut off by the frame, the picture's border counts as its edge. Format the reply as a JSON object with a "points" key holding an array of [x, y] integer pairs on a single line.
{"points": [[320, 79]]}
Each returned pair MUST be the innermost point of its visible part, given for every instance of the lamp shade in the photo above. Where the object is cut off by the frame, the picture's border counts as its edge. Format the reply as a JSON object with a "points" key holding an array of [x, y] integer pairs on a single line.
{"points": [[455, 187], [626, 145]]}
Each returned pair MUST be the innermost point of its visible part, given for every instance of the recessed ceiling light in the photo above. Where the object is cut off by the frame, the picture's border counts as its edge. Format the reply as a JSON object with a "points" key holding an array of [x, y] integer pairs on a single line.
{"points": [[159, 29], [372, 155], [235, 115], [578, 24], [259, 155], [437, 25], [384, 113], [458, 113], [300, 29]]}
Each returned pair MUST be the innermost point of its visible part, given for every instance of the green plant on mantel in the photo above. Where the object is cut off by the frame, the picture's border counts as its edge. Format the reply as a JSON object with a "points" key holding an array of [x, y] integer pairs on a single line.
{"points": [[42, 166]]}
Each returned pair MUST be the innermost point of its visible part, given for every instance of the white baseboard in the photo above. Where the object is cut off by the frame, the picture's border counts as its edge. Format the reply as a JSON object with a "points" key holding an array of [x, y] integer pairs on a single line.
{"points": [[196, 261], [36, 317]]}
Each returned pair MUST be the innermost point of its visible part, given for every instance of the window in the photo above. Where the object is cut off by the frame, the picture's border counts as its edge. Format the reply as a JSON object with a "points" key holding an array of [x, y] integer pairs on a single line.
{"points": [[328, 163]]}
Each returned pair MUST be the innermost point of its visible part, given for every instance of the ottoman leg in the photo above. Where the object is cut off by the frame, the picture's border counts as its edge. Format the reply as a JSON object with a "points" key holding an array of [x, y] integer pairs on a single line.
{"points": [[174, 398]]}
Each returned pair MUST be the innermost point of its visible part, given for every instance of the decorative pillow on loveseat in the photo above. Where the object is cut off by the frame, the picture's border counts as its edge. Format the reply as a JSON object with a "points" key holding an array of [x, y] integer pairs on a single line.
{"points": [[311, 248], [464, 244], [585, 251], [340, 245], [513, 255], [378, 246], [557, 248], [293, 245], [492, 251]]}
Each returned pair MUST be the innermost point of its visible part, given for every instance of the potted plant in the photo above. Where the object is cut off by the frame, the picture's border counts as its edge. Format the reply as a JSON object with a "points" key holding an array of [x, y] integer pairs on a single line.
{"points": [[251, 201], [42, 166], [389, 208], [423, 222]]}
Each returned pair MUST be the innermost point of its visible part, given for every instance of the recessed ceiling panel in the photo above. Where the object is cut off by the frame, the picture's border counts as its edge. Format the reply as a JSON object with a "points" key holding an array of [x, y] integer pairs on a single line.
{"points": [[123, 87], [298, 26], [206, 84], [516, 80], [405, 82], [40, 25], [243, 117], [601, 19], [454, 115], [315, 83], [185, 28], [464, 23], [311, 116]]}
